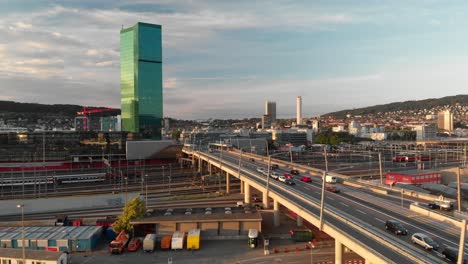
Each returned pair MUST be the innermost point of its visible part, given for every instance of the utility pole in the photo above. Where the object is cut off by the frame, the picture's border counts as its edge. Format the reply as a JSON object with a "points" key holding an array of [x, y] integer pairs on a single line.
{"points": [[461, 246], [146, 191], [322, 201], [459, 190], [380, 168], [267, 182], [22, 231], [326, 158]]}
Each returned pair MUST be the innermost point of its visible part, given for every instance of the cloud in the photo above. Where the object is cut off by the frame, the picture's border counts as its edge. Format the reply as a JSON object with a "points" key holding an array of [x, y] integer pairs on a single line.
{"points": [[92, 52], [22, 25]]}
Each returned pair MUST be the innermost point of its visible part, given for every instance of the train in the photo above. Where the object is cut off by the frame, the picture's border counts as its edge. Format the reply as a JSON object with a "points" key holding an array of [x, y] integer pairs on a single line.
{"points": [[58, 179], [412, 158]]}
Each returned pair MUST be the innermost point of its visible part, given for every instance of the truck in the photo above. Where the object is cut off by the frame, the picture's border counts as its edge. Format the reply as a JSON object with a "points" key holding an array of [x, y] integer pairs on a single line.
{"points": [[253, 238], [149, 242], [193, 239], [166, 242], [330, 179], [301, 235], [118, 245], [177, 241]]}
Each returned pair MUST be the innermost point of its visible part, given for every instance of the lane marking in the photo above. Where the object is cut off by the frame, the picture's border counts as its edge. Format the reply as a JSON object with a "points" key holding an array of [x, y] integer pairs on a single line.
{"points": [[331, 198], [307, 188], [344, 204], [380, 220], [318, 192], [361, 211]]}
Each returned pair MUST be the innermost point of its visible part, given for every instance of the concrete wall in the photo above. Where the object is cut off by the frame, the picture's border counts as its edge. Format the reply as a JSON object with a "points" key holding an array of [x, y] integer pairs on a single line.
{"points": [[229, 228], [435, 215], [245, 226], [45, 205], [166, 228], [185, 227], [209, 229]]}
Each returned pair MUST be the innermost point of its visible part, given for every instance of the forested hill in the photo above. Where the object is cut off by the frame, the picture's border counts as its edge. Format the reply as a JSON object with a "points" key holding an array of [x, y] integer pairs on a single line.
{"points": [[404, 106], [64, 109]]}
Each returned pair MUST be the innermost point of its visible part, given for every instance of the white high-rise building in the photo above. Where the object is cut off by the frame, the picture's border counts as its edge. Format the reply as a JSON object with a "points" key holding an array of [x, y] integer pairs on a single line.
{"points": [[299, 111], [270, 111]]}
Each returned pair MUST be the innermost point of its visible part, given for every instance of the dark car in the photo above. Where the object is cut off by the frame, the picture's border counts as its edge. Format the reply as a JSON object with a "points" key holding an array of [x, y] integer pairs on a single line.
{"points": [[332, 189], [294, 172], [274, 167], [451, 254], [441, 205], [396, 227], [289, 182]]}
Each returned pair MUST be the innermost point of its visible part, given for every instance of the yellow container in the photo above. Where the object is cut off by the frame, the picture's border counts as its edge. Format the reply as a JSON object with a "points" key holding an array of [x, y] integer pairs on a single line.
{"points": [[193, 239]]}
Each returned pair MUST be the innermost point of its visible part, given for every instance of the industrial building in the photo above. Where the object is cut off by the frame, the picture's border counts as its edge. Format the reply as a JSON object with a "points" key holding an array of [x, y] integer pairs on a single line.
{"points": [[213, 222], [413, 177], [51, 238], [14, 256], [141, 79]]}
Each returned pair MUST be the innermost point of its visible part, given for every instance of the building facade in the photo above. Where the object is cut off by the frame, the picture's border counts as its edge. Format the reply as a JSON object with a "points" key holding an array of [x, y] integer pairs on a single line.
{"points": [[141, 79], [425, 132], [270, 111], [445, 120], [299, 111]]}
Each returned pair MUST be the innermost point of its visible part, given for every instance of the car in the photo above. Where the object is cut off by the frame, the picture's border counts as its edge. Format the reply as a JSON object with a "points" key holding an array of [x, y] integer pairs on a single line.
{"points": [[396, 227], [289, 182], [451, 254], [306, 179], [274, 175], [252, 159], [134, 245], [261, 170], [424, 241], [441, 204], [332, 189], [288, 176], [274, 167], [294, 172], [281, 178]]}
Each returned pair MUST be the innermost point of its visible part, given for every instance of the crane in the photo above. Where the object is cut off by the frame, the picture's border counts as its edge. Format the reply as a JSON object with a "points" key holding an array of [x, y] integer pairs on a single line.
{"points": [[86, 112]]}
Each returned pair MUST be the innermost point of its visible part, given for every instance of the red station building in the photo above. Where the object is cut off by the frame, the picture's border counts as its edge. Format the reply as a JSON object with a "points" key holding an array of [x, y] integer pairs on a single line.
{"points": [[413, 177]]}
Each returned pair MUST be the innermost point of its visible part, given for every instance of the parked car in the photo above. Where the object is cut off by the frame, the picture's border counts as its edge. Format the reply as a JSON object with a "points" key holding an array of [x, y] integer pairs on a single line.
{"points": [[288, 176], [396, 227], [274, 175], [134, 244], [424, 241], [282, 178], [451, 254], [274, 167], [306, 179], [332, 189], [441, 204], [294, 172], [290, 182]]}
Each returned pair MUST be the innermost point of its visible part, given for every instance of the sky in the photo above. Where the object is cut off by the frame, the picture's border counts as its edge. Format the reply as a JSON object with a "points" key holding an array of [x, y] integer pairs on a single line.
{"points": [[224, 59]]}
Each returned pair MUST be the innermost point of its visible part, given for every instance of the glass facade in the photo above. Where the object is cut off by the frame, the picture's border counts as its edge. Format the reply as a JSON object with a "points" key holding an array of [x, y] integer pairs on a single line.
{"points": [[141, 79]]}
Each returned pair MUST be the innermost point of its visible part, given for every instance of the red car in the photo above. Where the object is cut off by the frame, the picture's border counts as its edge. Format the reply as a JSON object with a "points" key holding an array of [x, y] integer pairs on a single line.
{"points": [[287, 176], [306, 179], [134, 244], [332, 189]]}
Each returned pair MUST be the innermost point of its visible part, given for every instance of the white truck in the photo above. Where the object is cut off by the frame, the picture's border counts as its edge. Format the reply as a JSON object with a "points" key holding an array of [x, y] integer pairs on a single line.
{"points": [[178, 240], [330, 179], [149, 243]]}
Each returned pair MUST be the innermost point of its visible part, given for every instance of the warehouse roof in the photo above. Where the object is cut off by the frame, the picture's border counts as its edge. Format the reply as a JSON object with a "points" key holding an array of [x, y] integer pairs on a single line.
{"points": [[30, 254], [49, 232]]}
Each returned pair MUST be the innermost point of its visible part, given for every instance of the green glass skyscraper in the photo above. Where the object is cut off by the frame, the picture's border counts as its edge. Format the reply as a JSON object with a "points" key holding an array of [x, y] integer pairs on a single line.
{"points": [[141, 79]]}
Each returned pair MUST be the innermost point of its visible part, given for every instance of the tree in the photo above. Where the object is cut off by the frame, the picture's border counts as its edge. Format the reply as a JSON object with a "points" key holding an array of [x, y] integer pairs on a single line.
{"points": [[134, 208], [176, 134]]}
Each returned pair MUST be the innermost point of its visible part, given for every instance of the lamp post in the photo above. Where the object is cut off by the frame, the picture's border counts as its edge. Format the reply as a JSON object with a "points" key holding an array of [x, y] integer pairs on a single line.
{"points": [[311, 255], [22, 231], [126, 190], [146, 190], [268, 177]]}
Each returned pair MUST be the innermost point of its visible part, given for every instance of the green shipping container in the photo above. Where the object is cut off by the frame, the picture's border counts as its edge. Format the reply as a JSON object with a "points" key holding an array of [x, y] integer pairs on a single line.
{"points": [[301, 235]]}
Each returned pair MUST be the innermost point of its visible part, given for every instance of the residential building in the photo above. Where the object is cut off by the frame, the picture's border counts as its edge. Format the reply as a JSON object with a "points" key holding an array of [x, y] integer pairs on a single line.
{"points": [[141, 79], [266, 121], [445, 120]]}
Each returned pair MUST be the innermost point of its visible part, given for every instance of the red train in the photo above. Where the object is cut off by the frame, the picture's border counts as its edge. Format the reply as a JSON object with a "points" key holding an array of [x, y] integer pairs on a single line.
{"points": [[412, 158]]}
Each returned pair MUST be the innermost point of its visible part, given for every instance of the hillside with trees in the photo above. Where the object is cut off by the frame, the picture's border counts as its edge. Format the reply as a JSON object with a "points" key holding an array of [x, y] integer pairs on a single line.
{"points": [[404, 106]]}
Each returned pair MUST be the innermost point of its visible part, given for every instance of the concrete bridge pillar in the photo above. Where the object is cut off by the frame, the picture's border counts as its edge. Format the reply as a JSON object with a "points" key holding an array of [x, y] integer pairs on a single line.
{"points": [[276, 213], [228, 182], [299, 221], [200, 163], [246, 193], [266, 203], [241, 186], [339, 252], [210, 168]]}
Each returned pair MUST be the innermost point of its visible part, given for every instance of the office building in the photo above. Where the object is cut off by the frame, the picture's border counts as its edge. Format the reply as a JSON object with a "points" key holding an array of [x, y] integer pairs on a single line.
{"points": [[299, 111], [270, 111], [445, 120], [425, 132], [266, 121], [141, 79]]}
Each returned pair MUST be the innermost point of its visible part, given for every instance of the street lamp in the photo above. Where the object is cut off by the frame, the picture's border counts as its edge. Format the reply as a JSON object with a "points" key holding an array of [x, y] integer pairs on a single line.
{"points": [[311, 255], [146, 190], [22, 231], [265, 203]]}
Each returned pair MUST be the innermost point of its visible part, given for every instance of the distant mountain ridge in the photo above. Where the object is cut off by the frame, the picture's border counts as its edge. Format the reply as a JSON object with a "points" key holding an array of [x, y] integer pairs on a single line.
{"points": [[404, 106], [65, 109]]}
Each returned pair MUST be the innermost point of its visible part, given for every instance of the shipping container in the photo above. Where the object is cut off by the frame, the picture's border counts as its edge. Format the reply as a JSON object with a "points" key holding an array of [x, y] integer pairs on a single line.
{"points": [[149, 242], [301, 235], [110, 234], [193, 239], [166, 242], [177, 240]]}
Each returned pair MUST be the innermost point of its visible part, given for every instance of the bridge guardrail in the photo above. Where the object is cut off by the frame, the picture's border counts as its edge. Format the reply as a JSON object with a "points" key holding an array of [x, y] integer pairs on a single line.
{"points": [[356, 224]]}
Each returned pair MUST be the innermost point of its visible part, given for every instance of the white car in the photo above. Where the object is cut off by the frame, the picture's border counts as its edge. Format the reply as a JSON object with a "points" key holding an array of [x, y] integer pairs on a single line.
{"points": [[424, 241], [274, 175], [281, 178], [261, 170]]}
